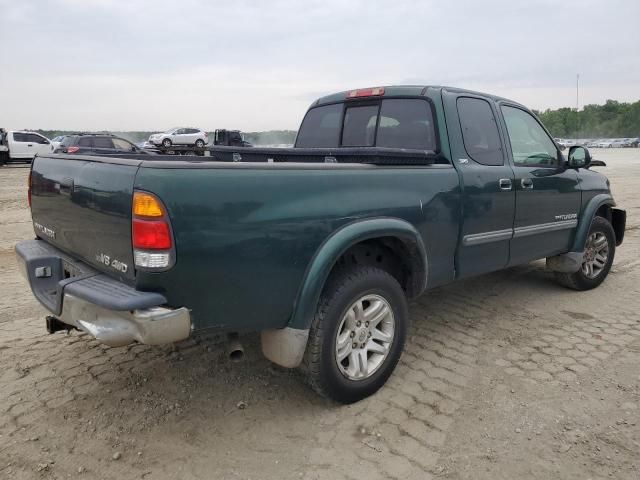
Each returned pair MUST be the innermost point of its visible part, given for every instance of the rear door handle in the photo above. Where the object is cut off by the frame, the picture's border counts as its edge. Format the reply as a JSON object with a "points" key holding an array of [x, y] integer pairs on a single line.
{"points": [[526, 183], [505, 184]]}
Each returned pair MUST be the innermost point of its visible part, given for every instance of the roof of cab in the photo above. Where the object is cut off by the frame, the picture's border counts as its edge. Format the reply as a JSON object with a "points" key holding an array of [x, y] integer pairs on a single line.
{"points": [[407, 90]]}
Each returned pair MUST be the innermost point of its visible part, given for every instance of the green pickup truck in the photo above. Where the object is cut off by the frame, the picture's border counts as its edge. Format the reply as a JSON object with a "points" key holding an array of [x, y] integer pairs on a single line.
{"points": [[387, 192]]}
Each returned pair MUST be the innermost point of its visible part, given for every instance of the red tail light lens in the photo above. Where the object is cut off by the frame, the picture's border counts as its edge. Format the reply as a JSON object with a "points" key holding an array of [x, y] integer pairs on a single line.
{"points": [[151, 234], [72, 149]]}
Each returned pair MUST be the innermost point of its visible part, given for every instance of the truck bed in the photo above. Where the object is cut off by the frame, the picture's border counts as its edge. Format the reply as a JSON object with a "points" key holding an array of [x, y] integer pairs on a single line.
{"points": [[244, 232]]}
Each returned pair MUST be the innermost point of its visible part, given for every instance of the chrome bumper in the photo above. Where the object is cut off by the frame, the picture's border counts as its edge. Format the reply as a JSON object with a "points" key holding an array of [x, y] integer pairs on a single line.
{"points": [[114, 313], [151, 326]]}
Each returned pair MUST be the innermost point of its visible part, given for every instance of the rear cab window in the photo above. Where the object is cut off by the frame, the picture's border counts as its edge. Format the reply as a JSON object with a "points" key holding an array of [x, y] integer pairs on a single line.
{"points": [[391, 123]]}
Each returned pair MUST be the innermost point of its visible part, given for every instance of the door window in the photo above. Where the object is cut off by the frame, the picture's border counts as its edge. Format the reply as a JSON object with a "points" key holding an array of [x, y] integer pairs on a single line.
{"points": [[85, 142], [37, 139], [123, 144], [530, 144], [102, 142], [20, 137], [479, 131]]}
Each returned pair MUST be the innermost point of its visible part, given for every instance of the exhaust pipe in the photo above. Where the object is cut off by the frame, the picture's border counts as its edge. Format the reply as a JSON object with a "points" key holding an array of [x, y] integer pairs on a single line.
{"points": [[235, 350]]}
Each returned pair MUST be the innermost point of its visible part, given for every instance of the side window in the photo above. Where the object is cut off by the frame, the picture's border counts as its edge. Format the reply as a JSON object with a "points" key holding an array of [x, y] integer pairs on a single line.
{"points": [[479, 131], [37, 139], [122, 144], [102, 142], [530, 144], [85, 142], [20, 137], [360, 126]]}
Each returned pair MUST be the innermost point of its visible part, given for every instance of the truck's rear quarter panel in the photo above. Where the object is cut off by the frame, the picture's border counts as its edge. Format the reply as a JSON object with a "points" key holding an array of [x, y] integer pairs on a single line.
{"points": [[245, 236]]}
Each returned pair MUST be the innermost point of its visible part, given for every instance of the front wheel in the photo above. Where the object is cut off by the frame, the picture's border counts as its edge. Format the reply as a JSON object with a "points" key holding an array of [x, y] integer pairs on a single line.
{"points": [[599, 251], [166, 142], [199, 143], [357, 334]]}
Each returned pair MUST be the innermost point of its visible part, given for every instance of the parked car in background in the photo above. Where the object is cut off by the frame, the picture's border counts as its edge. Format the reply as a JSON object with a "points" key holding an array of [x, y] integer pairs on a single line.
{"points": [[98, 144], [56, 141], [23, 145], [180, 136], [605, 143]]}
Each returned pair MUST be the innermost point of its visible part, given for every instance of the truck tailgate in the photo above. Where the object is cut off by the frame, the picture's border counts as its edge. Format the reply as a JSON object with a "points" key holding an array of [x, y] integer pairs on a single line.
{"points": [[82, 205]]}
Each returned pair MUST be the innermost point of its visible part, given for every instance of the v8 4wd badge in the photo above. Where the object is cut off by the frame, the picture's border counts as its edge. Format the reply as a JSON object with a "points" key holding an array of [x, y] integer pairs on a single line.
{"points": [[112, 262]]}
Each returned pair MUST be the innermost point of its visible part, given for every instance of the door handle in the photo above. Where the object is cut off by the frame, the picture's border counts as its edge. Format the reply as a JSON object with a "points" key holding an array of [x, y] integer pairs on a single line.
{"points": [[29, 145], [505, 184], [526, 183]]}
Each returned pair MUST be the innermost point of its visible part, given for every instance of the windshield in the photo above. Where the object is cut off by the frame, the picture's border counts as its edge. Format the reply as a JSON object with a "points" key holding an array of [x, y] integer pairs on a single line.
{"points": [[391, 123]]}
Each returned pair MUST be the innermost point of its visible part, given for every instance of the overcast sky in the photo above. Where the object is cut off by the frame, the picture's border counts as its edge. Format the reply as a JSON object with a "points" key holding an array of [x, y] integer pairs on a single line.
{"points": [[257, 65]]}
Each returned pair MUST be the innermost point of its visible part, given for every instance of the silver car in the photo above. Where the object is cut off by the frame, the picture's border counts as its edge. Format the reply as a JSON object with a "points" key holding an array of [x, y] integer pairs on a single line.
{"points": [[180, 136]]}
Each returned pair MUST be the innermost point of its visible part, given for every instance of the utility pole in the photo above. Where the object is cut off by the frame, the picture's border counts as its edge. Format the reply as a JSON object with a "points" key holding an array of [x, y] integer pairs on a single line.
{"points": [[577, 91]]}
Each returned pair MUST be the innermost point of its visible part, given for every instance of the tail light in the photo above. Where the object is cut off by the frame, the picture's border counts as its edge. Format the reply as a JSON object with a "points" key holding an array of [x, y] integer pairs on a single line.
{"points": [[151, 233], [72, 149]]}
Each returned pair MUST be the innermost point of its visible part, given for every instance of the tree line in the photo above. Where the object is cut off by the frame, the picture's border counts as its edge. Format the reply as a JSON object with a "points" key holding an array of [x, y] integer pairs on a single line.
{"points": [[612, 120]]}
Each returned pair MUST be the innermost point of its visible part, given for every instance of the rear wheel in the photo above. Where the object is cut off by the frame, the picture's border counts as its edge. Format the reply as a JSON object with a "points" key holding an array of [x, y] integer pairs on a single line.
{"points": [[199, 143], [167, 142], [599, 251], [357, 334]]}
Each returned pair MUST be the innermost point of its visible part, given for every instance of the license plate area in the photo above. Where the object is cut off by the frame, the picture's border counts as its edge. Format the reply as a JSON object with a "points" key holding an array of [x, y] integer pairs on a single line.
{"points": [[69, 270]]}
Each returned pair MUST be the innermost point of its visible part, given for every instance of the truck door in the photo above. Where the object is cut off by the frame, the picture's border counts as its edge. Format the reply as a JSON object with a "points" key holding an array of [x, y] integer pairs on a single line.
{"points": [[41, 145], [488, 198], [547, 193], [20, 146]]}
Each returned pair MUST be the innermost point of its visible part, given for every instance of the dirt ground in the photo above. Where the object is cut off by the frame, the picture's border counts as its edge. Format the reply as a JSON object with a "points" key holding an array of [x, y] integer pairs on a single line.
{"points": [[506, 376]]}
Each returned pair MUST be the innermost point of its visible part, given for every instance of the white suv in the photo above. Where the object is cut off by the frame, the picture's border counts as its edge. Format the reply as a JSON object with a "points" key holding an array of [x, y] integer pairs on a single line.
{"points": [[180, 136]]}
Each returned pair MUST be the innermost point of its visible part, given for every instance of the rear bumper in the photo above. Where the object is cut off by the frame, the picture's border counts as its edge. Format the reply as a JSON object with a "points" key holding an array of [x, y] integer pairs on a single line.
{"points": [[111, 311]]}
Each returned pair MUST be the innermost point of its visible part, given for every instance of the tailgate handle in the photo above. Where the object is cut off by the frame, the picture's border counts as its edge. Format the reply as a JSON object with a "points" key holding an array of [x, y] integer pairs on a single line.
{"points": [[66, 186]]}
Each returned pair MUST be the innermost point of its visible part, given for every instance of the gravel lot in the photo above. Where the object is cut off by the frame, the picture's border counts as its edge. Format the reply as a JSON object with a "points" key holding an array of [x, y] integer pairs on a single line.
{"points": [[505, 376]]}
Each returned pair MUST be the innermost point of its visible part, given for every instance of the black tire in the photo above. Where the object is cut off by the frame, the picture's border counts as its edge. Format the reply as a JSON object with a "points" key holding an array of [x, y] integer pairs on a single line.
{"points": [[580, 281], [199, 143], [167, 142], [344, 287]]}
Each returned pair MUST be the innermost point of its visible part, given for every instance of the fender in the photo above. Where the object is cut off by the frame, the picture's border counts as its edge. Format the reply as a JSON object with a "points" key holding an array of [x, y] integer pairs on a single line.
{"points": [[339, 242], [587, 216]]}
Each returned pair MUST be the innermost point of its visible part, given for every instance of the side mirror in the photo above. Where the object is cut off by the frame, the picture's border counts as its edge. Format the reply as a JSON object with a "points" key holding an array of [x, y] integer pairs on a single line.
{"points": [[579, 157]]}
